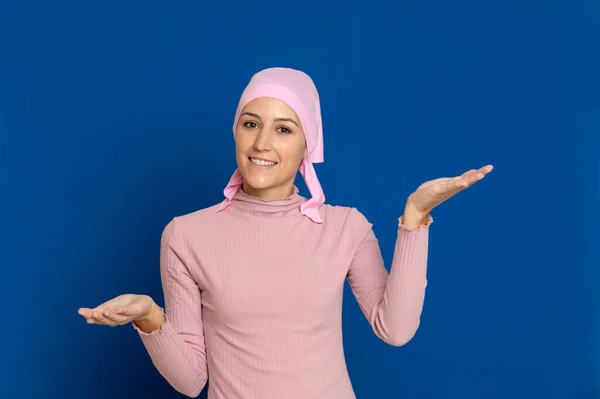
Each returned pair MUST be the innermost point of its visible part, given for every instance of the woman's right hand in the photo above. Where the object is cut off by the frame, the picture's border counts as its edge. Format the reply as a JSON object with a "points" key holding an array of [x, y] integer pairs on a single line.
{"points": [[120, 310]]}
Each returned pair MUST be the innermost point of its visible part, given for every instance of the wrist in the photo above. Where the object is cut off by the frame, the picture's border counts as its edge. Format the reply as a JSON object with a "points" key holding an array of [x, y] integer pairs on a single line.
{"points": [[414, 218], [411, 208], [152, 321], [151, 314]]}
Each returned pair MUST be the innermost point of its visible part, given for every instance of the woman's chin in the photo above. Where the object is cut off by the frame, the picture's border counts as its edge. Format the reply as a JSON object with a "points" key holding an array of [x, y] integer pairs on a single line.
{"points": [[259, 184]]}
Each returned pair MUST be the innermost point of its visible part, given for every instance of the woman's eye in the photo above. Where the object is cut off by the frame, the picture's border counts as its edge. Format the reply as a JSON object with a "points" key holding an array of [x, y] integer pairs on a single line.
{"points": [[285, 130], [250, 124]]}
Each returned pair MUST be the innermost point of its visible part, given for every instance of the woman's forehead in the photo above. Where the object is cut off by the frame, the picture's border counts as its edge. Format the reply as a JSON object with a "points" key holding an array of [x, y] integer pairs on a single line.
{"points": [[269, 105]]}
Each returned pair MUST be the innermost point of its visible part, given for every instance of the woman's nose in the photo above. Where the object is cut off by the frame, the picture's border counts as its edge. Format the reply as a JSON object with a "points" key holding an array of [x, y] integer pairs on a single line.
{"points": [[263, 141]]}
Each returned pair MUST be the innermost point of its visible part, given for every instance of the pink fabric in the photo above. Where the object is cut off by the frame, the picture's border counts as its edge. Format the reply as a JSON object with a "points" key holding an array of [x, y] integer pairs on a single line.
{"points": [[253, 298], [297, 90]]}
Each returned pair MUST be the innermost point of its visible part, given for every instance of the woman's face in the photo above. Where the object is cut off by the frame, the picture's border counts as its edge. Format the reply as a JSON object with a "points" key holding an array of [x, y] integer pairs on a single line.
{"points": [[270, 145]]}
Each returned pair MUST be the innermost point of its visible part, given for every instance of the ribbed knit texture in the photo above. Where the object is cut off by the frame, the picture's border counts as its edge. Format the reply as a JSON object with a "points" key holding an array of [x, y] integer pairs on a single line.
{"points": [[253, 298]]}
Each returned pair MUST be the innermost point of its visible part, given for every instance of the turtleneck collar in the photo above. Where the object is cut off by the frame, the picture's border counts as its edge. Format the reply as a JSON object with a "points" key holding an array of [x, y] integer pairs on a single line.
{"points": [[249, 204]]}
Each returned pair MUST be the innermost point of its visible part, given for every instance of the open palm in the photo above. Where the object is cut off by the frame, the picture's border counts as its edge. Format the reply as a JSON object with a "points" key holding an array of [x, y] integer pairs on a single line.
{"points": [[432, 193], [119, 310]]}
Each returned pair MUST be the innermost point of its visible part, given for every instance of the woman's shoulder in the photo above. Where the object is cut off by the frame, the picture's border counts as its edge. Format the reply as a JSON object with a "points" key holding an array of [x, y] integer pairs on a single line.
{"points": [[191, 222], [345, 215], [346, 223]]}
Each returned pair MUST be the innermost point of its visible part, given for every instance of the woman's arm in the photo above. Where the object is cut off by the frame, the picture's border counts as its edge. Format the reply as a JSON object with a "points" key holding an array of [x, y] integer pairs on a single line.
{"points": [[174, 336], [392, 303]]}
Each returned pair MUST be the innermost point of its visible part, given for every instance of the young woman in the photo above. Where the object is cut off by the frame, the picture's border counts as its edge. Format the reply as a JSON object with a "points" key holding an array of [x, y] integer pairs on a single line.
{"points": [[253, 285]]}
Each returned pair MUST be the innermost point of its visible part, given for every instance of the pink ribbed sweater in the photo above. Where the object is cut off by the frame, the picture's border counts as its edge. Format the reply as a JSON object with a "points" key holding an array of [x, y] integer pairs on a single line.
{"points": [[253, 298]]}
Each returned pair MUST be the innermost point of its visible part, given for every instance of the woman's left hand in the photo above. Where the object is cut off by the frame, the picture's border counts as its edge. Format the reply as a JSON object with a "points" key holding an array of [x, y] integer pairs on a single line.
{"points": [[432, 193]]}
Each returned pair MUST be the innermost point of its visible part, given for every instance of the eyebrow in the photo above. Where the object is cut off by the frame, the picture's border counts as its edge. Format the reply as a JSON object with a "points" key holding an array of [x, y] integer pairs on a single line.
{"points": [[275, 120]]}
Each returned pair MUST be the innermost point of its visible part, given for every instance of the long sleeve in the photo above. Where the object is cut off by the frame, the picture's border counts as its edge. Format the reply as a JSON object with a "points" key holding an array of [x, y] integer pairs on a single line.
{"points": [[177, 349], [391, 303]]}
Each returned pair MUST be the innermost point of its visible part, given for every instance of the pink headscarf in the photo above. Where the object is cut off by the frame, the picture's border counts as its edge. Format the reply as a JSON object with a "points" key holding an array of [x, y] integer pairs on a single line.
{"points": [[297, 90]]}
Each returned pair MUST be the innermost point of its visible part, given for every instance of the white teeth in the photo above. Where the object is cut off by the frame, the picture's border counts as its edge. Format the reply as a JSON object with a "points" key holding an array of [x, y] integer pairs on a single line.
{"points": [[261, 162]]}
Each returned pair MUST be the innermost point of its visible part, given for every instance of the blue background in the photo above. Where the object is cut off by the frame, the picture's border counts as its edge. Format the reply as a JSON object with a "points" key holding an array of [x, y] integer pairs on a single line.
{"points": [[115, 117]]}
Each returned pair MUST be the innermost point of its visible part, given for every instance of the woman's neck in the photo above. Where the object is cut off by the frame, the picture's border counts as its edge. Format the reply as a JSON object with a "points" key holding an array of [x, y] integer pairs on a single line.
{"points": [[270, 193], [248, 204]]}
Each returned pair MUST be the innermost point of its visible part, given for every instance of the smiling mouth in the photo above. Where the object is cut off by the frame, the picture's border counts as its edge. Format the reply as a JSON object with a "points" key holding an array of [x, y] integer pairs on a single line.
{"points": [[262, 162]]}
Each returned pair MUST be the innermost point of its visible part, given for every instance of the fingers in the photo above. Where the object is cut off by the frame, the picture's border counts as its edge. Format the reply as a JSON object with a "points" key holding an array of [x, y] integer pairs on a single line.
{"points": [[459, 183], [103, 316], [472, 176], [480, 173], [92, 316], [97, 316], [114, 318], [486, 169], [89, 314]]}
